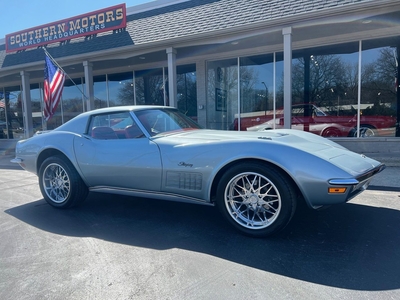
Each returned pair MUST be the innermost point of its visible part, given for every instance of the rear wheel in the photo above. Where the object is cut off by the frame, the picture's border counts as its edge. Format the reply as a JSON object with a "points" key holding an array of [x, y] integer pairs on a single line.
{"points": [[256, 199], [331, 132], [60, 183]]}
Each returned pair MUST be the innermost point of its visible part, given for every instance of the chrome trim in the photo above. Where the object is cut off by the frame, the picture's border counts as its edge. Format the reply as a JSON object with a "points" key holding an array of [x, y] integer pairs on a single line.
{"points": [[16, 160], [359, 179], [350, 181], [371, 173], [149, 194]]}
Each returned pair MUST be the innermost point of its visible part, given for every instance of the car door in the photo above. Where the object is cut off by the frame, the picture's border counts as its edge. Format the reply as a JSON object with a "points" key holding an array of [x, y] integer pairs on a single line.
{"points": [[120, 162]]}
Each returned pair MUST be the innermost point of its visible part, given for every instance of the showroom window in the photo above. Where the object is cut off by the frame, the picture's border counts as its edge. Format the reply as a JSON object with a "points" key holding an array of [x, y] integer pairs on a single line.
{"points": [[120, 89], [11, 118], [37, 107], [327, 79], [329, 98], [379, 87], [222, 93], [151, 85], [186, 89], [73, 99], [254, 104], [100, 91]]}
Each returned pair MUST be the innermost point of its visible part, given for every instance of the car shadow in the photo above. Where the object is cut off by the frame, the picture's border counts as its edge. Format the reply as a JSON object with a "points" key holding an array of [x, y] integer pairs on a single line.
{"points": [[347, 246]]}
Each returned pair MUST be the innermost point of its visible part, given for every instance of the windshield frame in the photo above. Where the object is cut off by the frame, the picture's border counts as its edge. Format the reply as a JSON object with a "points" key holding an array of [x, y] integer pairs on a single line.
{"points": [[164, 121]]}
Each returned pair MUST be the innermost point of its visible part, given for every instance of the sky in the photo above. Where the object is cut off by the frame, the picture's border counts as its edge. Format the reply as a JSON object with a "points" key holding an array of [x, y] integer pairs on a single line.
{"points": [[19, 15]]}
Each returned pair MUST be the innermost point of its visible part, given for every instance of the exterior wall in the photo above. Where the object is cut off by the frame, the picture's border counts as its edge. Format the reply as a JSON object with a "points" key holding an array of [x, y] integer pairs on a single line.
{"points": [[219, 39]]}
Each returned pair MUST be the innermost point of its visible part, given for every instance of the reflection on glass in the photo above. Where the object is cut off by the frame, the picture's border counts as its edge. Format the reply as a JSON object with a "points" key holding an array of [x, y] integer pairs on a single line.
{"points": [[257, 97], [222, 93], [120, 89], [325, 89], [72, 99], [186, 89], [36, 105], [100, 91], [11, 117], [378, 91], [150, 87]]}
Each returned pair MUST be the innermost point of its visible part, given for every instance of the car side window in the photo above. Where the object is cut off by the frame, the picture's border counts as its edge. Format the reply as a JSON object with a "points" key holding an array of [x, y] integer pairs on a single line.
{"points": [[114, 126]]}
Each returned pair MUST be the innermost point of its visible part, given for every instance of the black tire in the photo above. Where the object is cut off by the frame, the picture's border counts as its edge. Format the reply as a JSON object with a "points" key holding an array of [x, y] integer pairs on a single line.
{"points": [[60, 183], [265, 200], [331, 132]]}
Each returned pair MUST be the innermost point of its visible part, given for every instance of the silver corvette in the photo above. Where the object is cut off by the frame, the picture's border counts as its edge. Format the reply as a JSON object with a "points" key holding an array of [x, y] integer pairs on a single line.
{"points": [[256, 179]]}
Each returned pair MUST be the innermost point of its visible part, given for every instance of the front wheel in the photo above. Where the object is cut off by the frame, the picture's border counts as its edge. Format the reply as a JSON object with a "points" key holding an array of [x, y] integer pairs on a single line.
{"points": [[256, 199], [60, 183], [365, 131]]}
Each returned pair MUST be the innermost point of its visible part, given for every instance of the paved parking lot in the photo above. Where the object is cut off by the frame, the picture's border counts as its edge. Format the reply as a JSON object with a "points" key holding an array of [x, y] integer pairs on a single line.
{"points": [[115, 247]]}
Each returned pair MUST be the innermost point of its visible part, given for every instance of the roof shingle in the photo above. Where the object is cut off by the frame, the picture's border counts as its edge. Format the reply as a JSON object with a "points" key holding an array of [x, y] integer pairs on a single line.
{"points": [[178, 20]]}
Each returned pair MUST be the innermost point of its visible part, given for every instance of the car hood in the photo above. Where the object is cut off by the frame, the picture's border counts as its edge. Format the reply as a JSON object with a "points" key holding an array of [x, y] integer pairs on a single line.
{"points": [[321, 147], [294, 138]]}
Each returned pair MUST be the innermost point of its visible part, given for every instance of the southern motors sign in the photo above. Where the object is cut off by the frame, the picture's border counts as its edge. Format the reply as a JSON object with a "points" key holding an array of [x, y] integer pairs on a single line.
{"points": [[98, 21]]}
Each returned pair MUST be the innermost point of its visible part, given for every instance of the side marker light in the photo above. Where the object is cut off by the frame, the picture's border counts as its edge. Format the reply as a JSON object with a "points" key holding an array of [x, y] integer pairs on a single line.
{"points": [[337, 190]]}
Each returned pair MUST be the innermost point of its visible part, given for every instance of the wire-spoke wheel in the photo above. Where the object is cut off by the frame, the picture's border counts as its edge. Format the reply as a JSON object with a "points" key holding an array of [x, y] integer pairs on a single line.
{"points": [[365, 131], [60, 184], [257, 199], [252, 200]]}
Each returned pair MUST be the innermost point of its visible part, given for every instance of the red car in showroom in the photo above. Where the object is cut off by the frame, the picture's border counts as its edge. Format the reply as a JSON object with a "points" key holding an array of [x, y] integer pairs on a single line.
{"points": [[319, 122]]}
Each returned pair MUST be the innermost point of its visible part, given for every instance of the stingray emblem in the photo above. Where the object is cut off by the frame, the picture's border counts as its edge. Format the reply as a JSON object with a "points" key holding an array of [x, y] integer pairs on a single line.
{"points": [[183, 164]]}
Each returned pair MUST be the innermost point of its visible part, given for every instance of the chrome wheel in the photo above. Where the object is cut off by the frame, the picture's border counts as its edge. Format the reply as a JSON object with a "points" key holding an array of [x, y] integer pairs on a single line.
{"points": [[256, 198], [366, 132], [56, 183], [60, 183], [252, 200]]}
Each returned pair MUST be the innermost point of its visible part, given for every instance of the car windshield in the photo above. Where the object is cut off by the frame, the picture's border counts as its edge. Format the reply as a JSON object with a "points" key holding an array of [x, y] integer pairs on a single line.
{"points": [[165, 121]]}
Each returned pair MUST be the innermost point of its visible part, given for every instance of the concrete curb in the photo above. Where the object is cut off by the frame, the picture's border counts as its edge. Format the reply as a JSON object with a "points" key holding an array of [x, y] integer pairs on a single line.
{"points": [[389, 159]]}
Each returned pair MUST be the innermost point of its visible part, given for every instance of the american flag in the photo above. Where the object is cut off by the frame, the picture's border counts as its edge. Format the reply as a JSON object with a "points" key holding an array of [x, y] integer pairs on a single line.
{"points": [[54, 79]]}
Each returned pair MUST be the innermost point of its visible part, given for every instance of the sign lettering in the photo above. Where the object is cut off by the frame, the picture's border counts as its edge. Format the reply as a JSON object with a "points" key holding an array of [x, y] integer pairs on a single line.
{"points": [[98, 21]]}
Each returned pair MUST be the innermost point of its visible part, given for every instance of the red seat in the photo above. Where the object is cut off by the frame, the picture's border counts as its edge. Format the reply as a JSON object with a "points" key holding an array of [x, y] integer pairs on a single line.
{"points": [[104, 133]]}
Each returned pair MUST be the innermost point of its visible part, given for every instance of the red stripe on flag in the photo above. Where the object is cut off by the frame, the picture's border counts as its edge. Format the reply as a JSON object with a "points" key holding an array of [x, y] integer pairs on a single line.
{"points": [[52, 88]]}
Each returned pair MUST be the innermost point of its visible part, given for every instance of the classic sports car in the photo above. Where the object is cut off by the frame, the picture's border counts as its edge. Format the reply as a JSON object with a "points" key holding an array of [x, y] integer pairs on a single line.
{"points": [[326, 130], [320, 122], [256, 179]]}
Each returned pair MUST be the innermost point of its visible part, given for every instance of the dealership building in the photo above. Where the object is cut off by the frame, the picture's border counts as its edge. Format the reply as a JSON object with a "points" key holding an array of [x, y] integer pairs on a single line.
{"points": [[325, 66]]}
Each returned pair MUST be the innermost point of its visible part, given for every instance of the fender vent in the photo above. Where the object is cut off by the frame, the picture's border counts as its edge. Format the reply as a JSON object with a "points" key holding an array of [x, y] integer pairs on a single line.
{"points": [[184, 181]]}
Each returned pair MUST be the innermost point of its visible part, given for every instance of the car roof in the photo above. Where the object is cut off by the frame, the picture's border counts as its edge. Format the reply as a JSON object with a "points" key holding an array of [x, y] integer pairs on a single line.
{"points": [[79, 123], [125, 108]]}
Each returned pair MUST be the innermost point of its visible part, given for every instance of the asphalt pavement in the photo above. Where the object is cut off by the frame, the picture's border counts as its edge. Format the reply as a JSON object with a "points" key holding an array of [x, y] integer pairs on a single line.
{"points": [[114, 247]]}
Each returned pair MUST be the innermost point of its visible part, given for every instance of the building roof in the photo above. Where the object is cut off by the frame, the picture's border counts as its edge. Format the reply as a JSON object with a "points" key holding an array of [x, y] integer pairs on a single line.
{"points": [[180, 19]]}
